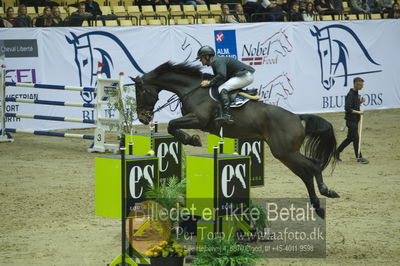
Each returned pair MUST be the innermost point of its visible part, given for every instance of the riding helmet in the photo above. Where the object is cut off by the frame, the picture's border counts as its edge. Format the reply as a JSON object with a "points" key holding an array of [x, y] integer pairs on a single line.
{"points": [[205, 50]]}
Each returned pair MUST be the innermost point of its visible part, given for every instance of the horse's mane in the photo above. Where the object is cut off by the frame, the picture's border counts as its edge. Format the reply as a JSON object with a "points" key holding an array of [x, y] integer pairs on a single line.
{"points": [[181, 68]]}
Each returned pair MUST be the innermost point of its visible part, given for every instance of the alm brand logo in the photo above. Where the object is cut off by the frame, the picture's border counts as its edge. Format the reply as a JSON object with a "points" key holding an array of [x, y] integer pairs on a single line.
{"points": [[269, 51], [336, 45], [91, 48], [225, 43], [233, 178]]}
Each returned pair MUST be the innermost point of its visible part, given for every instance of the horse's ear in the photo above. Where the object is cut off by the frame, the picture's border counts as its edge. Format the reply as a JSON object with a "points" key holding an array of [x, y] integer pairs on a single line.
{"points": [[316, 32], [138, 81]]}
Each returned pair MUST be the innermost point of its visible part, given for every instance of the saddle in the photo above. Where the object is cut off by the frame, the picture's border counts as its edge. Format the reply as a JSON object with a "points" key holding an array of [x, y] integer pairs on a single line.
{"points": [[237, 97]]}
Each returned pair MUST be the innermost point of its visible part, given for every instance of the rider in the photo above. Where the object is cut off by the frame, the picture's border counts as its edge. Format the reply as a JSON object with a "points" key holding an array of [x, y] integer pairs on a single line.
{"points": [[229, 74]]}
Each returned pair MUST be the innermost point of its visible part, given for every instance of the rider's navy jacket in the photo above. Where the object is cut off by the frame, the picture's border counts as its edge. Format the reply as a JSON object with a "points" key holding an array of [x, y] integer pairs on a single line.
{"points": [[225, 68], [352, 103]]}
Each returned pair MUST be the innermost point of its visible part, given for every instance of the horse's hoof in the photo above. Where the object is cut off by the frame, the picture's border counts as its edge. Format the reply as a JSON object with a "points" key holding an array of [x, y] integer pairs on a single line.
{"points": [[320, 212], [196, 141], [333, 194]]}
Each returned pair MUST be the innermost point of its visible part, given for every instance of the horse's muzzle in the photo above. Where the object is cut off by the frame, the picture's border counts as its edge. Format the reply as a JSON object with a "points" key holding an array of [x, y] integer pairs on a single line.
{"points": [[145, 117]]}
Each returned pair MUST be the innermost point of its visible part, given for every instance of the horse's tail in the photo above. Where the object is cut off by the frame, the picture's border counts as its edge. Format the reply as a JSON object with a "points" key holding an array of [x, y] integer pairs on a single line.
{"points": [[320, 142]]}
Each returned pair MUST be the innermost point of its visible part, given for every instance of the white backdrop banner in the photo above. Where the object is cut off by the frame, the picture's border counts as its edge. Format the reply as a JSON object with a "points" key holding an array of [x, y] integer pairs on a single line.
{"points": [[302, 67]]}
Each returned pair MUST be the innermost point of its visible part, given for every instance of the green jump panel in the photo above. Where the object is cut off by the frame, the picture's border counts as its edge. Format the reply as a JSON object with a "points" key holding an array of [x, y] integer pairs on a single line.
{"points": [[140, 172], [247, 147], [215, 186], [167, 148]]}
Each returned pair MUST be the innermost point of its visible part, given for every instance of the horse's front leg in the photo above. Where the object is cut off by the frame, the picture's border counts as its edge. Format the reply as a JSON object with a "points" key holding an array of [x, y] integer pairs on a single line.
{"points": [[189, 121]]}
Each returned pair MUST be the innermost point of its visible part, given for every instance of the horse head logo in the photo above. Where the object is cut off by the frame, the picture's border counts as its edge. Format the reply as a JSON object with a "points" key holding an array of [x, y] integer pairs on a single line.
{"points": [[278, 43], [280, 88], [189, 46], [89, 51], [334, 54]]}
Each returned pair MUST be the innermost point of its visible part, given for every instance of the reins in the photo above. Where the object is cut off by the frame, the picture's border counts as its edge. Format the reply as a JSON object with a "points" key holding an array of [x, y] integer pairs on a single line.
{"points": [[173, 99]]}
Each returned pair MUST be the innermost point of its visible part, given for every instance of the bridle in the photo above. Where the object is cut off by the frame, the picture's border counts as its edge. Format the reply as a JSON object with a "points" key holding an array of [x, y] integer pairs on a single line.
{"points": [[173, 99]]}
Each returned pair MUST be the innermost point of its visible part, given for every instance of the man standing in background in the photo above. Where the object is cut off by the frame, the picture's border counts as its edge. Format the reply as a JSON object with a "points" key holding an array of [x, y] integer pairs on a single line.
{"points": [[352, 116]]}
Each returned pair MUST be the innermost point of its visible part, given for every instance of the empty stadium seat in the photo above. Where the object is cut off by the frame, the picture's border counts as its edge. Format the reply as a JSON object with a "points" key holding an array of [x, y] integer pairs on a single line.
{"points": [[105, 10], [31, 11], [202, 10], [326, 17], [154, 22], [215, 9], [134, 11], [210, 21], [181, 21], [352, 17], [125, 22], [162, 10], [148, 11], [119, 11], [113, 3], [376, 16], [70, 2], [111, 23], [175, 10]]}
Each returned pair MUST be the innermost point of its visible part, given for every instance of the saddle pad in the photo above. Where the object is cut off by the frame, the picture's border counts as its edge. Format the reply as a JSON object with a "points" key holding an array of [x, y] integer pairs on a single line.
{"points": [[237, 102]]}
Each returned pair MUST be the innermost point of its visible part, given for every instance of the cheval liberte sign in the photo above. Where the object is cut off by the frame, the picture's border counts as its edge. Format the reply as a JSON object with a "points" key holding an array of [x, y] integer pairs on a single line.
{"points": [[302, 67]]}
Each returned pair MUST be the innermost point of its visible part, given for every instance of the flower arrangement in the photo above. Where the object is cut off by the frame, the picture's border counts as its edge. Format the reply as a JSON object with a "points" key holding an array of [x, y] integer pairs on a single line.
{"points": [[167, 249]]}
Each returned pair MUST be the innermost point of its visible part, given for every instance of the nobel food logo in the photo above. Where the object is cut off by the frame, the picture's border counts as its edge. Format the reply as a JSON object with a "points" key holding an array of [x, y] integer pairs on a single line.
{"points": [[342, 54], [225, 43], [268, 51]]}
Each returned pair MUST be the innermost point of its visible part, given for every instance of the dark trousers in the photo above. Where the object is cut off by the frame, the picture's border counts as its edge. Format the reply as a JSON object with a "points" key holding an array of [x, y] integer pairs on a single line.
{"points": [[352, 136]]}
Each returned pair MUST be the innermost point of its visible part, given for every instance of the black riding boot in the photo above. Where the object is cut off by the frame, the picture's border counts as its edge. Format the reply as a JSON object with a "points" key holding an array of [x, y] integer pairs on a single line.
{"points": [[225, 117]]}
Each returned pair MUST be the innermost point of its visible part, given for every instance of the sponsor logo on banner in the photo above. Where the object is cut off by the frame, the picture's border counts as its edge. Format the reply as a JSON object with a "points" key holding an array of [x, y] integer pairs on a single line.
{"points": [[268, 51], [90, 53], [25, 75], [18, 48], [277, 91], [338, 46], [225, 43]]}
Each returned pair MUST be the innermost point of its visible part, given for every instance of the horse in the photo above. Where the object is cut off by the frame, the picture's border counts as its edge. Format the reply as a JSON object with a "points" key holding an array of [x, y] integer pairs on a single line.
{"points": [[282, 130]]}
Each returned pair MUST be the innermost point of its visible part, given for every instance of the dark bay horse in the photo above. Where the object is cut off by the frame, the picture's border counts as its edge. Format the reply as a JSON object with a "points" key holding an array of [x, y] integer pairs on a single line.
{"points": [[281, 129]]}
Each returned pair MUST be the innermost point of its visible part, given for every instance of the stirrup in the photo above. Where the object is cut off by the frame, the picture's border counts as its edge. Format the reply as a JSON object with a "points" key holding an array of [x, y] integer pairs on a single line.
{"points": [[225, 119]]}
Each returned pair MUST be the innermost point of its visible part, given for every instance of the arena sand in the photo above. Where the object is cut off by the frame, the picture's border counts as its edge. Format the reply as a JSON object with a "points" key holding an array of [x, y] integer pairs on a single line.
{"points": [[47, 200]]}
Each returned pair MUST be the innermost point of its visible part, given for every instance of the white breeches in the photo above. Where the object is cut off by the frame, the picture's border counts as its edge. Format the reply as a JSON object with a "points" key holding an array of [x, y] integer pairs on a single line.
{"points": [[237, 82]]}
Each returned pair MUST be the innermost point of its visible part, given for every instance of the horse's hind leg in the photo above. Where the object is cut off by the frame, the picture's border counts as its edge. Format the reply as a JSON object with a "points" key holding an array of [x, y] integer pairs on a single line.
{"points": [[323, 189], [302, 167]]}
